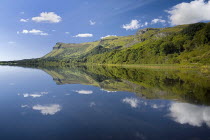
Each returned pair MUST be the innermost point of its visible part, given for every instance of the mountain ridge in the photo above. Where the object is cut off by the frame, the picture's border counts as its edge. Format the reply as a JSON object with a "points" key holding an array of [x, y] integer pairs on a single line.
{"points": [[182, 44]]}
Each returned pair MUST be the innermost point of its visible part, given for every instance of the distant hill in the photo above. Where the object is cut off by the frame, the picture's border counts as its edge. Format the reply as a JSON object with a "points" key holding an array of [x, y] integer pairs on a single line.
{"points": [[183, 44]]}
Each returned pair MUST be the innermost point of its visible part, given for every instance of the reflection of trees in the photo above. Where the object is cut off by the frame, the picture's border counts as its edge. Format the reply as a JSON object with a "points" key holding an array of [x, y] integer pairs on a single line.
{"points": [[183, 85]]}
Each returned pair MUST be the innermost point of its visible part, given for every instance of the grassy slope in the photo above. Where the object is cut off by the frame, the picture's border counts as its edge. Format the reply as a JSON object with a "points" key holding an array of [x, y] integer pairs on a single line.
{"points": [[183, 44]]}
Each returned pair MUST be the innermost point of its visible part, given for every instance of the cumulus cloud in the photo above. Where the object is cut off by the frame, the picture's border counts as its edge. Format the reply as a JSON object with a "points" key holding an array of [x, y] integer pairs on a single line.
{"points": [[107, 36], [84, 35], [192, 12], [24, 20], [84, 91], [158, 20], [146, 23], [194, 115], [92, 22], [48, 109], [47, 17], [134, 24], [133, 102], [34, 32]]}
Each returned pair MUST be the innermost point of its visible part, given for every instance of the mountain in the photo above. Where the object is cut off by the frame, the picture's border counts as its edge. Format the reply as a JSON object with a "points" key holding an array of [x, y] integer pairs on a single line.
{"points": [[183, 44]]}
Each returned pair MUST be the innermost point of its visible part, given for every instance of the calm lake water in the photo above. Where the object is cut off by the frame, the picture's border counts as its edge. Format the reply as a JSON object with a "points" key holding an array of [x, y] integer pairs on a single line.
{"points": [[101, 103]]}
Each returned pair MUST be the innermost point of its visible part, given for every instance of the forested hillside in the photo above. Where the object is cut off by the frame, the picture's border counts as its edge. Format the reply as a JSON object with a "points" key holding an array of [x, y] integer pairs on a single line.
{"points": [[183, 44]]}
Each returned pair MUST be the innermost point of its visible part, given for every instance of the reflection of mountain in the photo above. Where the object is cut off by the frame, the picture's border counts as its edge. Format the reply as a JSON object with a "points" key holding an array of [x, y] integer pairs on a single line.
{"points": [[168, 84]]}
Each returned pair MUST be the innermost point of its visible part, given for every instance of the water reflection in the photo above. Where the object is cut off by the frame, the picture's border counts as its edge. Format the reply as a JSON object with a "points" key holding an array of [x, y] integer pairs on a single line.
{"points": [[184, 85], [84, 91], [133, 102], [185, 113], [105, 103], [25, 106], [92, 104], [34, 95], [47, 109]]}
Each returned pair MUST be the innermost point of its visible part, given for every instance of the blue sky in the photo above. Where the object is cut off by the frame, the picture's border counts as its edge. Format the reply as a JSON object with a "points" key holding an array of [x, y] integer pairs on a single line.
{"points": [[30, 28]]}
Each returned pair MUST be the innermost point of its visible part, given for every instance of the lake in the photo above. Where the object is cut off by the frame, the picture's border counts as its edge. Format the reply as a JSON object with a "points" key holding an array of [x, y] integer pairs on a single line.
{"points": [[102, 103]]}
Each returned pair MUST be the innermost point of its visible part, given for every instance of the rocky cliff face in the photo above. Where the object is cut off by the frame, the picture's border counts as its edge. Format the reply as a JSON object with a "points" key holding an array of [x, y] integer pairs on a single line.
{"points": [[143, 31], [57, 46], [60, 45]]}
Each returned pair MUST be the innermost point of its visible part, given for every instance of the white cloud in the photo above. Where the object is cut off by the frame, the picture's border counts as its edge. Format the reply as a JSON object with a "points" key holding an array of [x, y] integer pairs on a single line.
{"points": [[84, 91], [24, 20], [48, 109], [146, 23], [134, 24], [92, 22], [192, 12], [158, 20], [133, 102], [48, 17], [194, 115], [107, 36], [11, 42], [34, 32], [84, 35], [67, 33]]}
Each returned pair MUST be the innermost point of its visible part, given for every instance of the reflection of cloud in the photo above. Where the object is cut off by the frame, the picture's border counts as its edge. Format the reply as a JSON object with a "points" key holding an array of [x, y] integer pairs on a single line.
{"points": [[24, 106], [92, 104], [133, 102], [34, 95], [108, 91], [154, 106], [48, 109], [84, 91], [185, 113]]}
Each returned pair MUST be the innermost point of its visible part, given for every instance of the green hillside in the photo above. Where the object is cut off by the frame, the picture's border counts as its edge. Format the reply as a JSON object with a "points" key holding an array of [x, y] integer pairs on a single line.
{"points": [[183, 44]]}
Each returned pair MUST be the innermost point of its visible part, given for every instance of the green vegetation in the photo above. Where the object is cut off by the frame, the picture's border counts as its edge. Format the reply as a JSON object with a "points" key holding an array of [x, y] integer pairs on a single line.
{"points": [[183, 44], [187, 85], [190, 45]]}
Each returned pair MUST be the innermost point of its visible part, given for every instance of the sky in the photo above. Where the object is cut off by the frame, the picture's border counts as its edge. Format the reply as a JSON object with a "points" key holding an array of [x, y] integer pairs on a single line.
{"points": [[30, 28]]}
